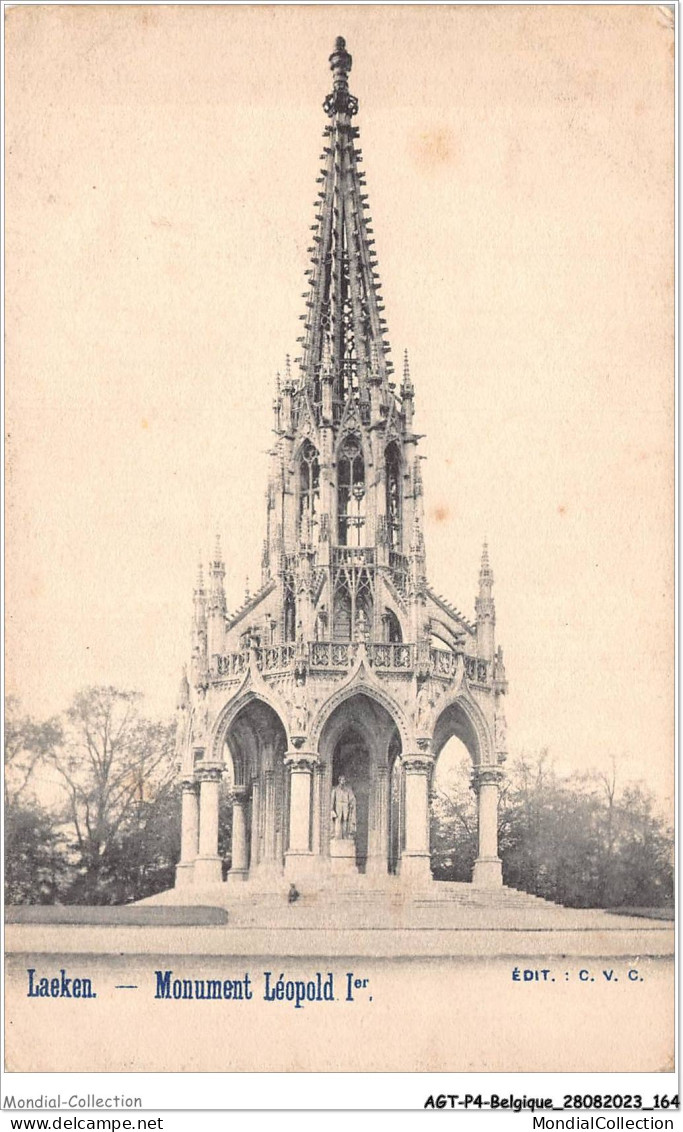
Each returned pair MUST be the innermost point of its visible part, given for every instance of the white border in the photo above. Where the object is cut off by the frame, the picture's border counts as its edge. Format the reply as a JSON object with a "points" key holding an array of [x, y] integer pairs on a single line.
{"points": [[381, 1092]]}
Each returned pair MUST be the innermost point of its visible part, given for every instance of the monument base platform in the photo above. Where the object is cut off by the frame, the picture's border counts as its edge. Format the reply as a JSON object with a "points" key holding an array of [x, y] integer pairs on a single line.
{"points": [[343, 856]]}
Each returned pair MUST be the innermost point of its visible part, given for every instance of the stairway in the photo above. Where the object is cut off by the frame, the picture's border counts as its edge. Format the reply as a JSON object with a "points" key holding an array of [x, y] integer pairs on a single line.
{"points": [[371, 906]]}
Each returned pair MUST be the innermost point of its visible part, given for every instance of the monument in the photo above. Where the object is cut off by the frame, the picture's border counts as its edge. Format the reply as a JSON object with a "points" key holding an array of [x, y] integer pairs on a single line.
{"points": [[327, 697]]}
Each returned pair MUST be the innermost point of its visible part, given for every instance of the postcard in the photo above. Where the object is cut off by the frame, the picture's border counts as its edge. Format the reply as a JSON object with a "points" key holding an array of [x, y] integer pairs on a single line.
{"points": [[340, 546]]}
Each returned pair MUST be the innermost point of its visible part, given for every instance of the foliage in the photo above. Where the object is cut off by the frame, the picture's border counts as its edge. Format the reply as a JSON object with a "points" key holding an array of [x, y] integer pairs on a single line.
{"points": [[35, 855], [35, 851], [454, 827], [579, 839], [109, 831], [27, 743]]}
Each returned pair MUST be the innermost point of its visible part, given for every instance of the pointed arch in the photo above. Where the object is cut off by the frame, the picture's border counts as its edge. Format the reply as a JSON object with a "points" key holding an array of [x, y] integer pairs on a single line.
{"points": [[308, 490], [459, 715], [373, 691], [352, 492], [231, 710]]}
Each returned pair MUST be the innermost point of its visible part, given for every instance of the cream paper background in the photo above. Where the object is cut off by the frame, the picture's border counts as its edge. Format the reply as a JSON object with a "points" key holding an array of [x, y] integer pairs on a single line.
{"points": [[161, 166]]}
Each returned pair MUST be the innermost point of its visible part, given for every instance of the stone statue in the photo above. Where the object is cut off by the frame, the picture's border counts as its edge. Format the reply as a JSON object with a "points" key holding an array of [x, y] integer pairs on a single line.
{"points": [[500, 726], [424, 707], [299, 705], [200, 718], [343, 811], [362, 627], [321, 624]]}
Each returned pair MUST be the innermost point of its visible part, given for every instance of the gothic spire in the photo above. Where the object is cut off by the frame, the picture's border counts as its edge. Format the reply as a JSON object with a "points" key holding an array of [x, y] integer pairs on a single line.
{"points": [[217, 575], [344, 328], [485, 608], [485, 572], [183, 699]]}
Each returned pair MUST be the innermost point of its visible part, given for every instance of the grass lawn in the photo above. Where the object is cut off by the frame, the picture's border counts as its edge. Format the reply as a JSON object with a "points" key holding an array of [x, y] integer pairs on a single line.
{"points": [[128, 915]]}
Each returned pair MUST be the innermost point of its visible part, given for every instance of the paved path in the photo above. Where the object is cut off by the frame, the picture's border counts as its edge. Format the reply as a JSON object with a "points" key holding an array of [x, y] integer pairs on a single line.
{"points": [[386, 942]]}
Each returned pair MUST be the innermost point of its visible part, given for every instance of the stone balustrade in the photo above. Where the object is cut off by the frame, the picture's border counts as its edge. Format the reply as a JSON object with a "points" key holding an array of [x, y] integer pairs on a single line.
{"points": [[353, 556], [339, 656]]}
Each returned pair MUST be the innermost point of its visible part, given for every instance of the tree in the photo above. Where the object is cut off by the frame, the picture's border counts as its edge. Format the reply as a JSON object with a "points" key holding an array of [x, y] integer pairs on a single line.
{"points": [[578, 839], [111, 763], [142, 856], [644, 872], [454, 825], [35, 865], [27, 744]]}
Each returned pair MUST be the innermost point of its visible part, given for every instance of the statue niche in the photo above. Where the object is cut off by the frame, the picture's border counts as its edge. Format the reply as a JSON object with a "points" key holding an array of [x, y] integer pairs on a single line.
{"points": [[343, 811], [349, 802]]}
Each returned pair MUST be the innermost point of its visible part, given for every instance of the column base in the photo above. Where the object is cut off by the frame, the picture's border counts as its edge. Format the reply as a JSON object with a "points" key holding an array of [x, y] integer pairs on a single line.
{"points": [[266, 872], [377, 867], [298, 864], [184, 874], [488, 873], [416, 867], [237, 876], [208, 870]]}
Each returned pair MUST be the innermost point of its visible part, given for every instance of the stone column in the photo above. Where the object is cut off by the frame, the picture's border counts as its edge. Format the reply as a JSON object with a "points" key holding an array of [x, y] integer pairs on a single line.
{"points": [[299, 860], [315, 815], [255, 820], [189, 834], [488, 870], [265, 864], [208, 866], [239, 869], [269, 817], [415, 859], [378, 836]]}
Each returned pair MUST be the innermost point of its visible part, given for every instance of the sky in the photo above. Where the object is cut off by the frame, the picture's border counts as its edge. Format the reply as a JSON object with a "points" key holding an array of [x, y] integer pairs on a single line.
{"points": [[161, 166]]}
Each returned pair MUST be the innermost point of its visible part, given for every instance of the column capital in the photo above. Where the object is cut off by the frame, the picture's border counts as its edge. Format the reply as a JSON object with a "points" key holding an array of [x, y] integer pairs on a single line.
{"points": [[417, 763], [239, 794], [487, 775], [301, 760], [212, 773], [189, 785]]}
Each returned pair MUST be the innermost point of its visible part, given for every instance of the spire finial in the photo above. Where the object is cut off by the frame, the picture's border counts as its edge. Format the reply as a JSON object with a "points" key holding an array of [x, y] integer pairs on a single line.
{"points": [[340, 63], [200, 573], [340, 101], [288, 384], [485, 572], [217, 554], [183, 698], [407, 388]]}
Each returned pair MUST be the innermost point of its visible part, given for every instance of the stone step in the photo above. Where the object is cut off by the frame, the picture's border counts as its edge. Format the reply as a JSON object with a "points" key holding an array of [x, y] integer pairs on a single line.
{"points": [[360, 902], [246, 894]]}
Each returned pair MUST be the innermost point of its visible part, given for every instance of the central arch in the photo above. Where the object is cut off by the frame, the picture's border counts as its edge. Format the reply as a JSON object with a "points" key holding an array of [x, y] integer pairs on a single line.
{"points": [[356, 742]]}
